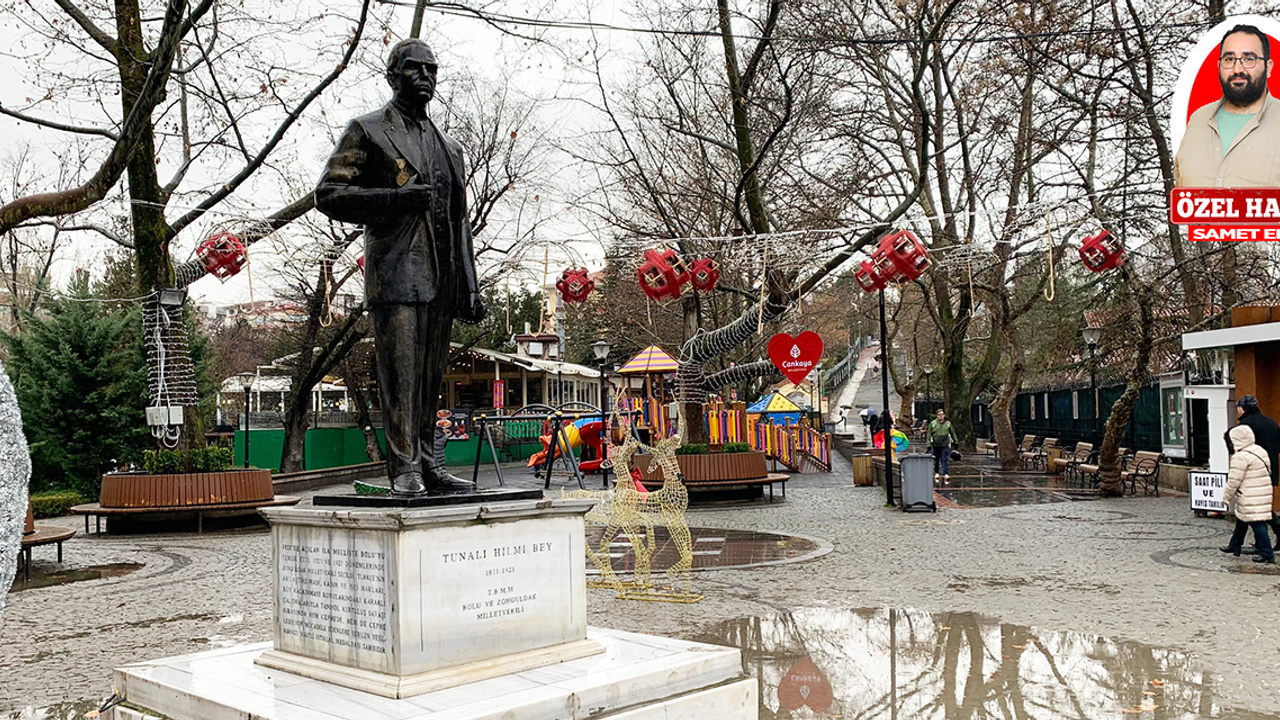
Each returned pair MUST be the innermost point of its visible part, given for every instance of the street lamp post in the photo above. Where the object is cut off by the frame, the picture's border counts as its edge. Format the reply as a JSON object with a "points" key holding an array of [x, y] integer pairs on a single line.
{"points": [[886, 427], [601, 349], [246, 381], [1091, 337]]}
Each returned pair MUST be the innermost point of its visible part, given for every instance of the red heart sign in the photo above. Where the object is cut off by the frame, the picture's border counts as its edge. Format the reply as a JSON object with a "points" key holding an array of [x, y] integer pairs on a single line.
{"points": [[804, 684], [795, 357]]}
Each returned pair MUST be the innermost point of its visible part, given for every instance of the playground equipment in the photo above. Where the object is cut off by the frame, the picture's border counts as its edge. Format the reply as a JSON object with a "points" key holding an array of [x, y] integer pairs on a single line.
{"points": [[579, 433]]}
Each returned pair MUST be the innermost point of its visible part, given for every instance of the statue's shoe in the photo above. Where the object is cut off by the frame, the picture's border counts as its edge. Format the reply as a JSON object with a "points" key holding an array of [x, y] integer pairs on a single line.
{"points": [[409, 483], [441, 482]]}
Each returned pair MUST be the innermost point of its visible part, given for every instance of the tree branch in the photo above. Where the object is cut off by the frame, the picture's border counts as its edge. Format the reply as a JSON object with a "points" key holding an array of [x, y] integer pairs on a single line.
{"points": [[99, 36], [738, 373], [57, 125], [65, 202], [191, 270], [248, 170]]}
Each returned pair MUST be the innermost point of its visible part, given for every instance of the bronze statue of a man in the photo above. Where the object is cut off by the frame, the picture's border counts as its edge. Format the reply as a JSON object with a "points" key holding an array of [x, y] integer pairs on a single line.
{"points": [[398, 175]]}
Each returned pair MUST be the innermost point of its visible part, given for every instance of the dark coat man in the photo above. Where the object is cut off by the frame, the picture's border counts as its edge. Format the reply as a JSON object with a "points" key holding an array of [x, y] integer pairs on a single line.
{"points": [[394, 172], [1266, 432]]}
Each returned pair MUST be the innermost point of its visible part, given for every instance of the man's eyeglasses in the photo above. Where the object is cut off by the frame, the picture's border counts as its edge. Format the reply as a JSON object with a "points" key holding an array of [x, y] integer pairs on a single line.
{"points": [[1247, 61]]}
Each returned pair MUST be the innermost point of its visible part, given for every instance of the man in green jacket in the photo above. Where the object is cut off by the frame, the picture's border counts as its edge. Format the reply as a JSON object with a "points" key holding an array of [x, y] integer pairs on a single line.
{"points": [[941, 435]]}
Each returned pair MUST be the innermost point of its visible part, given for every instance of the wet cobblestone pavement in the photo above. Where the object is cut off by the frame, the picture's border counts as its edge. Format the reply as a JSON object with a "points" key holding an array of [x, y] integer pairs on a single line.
{"points": [[1130, 575]]}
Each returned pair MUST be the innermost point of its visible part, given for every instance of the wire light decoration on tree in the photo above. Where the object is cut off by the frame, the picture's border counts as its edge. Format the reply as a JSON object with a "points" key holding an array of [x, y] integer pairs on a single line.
{"points": [[171, 377]]}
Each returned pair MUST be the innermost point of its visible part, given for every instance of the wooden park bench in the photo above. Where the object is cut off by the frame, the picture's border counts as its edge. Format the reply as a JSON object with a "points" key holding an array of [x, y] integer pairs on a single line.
{"points": [[98, 512], [768, 481], [1090, 468], [1145, 468], [1035, 458], [1070, 462], [43, 535]]}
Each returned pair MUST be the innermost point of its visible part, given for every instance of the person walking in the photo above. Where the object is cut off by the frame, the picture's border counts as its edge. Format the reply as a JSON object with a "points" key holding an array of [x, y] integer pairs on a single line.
{"points": [[1267, 434], [1248, 492], [941, 434]]}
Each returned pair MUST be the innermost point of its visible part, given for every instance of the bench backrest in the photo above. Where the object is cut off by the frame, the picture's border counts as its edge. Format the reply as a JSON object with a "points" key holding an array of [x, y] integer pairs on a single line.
{"points": [[1083, 451], [1028, 442], [1146, 462], [1049, 443]]}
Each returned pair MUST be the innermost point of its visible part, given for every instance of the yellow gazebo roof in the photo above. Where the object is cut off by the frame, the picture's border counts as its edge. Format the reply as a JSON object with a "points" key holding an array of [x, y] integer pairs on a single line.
{"points": [[651, 360]]}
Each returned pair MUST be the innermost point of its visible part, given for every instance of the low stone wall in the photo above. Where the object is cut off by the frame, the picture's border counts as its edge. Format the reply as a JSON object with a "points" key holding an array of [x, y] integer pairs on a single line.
{"points": [[285, 483], [1176, 477]]}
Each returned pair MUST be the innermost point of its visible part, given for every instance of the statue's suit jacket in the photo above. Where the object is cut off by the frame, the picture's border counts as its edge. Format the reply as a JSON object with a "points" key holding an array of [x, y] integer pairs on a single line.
{"points": [[411, 254]]}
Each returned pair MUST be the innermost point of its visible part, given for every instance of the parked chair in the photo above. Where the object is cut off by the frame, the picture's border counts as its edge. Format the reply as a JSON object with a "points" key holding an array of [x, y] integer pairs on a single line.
{"points": [[1040, 456], [1090, 468], [1145, 469], [1070, 462], [1026, 447]]}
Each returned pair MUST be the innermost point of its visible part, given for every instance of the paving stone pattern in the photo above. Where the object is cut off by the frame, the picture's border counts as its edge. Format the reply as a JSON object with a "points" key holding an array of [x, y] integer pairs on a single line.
{"points": [[1138, 568]]}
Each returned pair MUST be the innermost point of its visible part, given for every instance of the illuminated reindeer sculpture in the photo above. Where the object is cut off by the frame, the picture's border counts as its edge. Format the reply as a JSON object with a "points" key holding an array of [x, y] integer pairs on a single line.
{"points": [[626, 509]]}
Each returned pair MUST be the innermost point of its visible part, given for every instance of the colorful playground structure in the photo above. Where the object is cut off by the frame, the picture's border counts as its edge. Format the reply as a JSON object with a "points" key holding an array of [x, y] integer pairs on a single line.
{"points": [[786, 442], [574, 435]]}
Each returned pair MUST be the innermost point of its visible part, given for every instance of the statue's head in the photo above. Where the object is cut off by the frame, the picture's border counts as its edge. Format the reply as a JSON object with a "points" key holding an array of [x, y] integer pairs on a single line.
{"points": [[411, 71]]}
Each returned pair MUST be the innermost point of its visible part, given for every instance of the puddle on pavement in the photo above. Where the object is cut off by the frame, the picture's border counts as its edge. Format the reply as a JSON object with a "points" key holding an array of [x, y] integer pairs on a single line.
{"points": [[41, 578], [712, 548], [1000, 497], [916, 665], [985, 485]]}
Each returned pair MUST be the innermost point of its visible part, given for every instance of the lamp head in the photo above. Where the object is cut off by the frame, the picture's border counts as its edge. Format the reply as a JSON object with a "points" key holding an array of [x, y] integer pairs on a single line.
{"points": [[601, 349], [1091, 336]]}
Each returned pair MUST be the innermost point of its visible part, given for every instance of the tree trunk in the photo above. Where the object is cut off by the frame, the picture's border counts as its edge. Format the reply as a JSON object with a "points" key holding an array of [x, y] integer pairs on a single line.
{"points": [[1109, 458], [295, 433], [956, 389], [906, 409], [359, 398], [1002, 406], [1002, 419]]}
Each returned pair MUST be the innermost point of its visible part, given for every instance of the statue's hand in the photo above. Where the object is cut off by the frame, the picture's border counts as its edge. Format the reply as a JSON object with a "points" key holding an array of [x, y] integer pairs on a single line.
{"points": [[475, 311], [416, 194]]}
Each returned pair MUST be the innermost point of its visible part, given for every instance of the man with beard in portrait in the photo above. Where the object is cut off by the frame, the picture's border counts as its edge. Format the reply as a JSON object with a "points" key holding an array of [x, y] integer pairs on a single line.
{"points": [[1235, 142]]}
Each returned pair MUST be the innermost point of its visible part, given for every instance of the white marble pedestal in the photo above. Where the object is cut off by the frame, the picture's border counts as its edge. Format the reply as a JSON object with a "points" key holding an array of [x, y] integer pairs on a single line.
{"points": [[637, 677], [462, 612], [399, 602]]}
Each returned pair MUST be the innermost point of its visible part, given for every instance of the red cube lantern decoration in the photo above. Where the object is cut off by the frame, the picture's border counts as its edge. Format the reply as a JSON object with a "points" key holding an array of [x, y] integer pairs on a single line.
{"points": [[868, 279], [661, 274], [1102, 252], [222, 255], [704, 274], [574, 285], [900, 257], [906, 253]]}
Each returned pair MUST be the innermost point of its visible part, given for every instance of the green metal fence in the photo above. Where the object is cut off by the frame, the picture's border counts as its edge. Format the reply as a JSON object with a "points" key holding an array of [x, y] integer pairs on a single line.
{"points": [[1067, 414]]}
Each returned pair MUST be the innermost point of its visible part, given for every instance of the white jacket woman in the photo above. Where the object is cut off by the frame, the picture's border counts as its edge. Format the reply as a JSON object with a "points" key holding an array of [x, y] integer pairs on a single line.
{"points": [[1249, 480]]}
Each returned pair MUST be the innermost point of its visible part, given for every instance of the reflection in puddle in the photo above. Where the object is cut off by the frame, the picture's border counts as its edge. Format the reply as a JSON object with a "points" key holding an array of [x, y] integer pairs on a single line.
{"points": [[712, 548], [915, 665], [1000, 497], [62, 577]]}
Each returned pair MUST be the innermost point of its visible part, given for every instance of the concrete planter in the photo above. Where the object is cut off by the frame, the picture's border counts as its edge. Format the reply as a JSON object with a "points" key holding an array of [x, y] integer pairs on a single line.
{"points": [[139, 490], [707, 468]]}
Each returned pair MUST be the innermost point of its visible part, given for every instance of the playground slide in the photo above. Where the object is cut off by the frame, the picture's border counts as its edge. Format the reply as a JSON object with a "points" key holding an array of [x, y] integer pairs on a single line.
{"points": [[576, 434]]}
